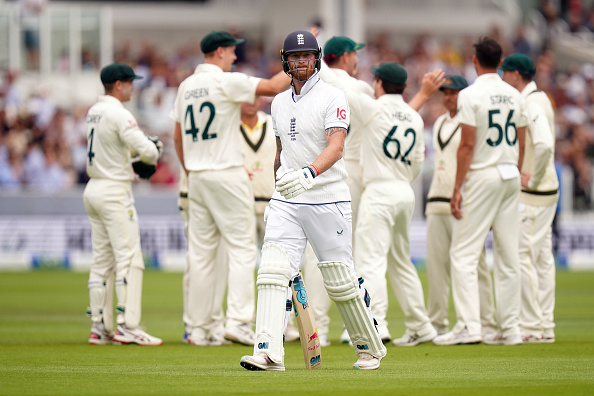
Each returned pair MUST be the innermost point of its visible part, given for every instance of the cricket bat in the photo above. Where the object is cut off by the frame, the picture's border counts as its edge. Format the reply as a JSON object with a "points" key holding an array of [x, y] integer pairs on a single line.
{"points": [[308, 330]]}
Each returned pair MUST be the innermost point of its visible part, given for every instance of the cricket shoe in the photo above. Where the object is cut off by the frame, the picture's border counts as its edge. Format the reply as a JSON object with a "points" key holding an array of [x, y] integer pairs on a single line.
{"points": [[486, 330], [548, 340], [414, 339], [291, 334], [135, 336], [324, 340], [344, 337], [367, 361], [100, 336], [217, 339], [532, 339], [498, 339], [260, 362], [457, 338], [241, 334]]}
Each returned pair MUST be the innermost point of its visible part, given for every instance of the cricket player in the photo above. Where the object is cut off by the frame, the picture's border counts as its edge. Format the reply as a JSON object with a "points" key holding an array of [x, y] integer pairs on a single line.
{"points": [[311, 203], [206, 113], [393, 152], [538, 202], [486, 195], [113, 139], [446, 139]]}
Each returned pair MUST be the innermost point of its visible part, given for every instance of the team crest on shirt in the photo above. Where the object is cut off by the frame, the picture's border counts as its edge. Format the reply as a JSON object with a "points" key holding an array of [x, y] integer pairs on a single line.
{"points": [[293, 129], [131, 214]]}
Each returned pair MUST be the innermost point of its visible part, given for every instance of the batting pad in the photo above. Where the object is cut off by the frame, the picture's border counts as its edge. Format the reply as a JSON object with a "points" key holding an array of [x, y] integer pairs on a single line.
{"points": [[273, 280], [343, 288], [96, 299]]}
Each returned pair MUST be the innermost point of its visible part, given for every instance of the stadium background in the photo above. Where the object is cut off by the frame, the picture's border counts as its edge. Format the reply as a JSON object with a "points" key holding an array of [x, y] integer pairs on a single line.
{"points": [[47, 86]]}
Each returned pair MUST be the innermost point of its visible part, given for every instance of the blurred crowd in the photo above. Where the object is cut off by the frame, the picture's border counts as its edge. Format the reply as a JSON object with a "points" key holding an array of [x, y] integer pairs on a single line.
{"points": [[43, 146]]}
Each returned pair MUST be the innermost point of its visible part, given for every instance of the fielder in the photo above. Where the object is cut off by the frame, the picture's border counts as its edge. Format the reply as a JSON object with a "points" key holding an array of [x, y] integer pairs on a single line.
{"points": [[311, 203], [206, 113], [538, 202], [486, 195], [446, 139], [113, 136], [393, 151]]}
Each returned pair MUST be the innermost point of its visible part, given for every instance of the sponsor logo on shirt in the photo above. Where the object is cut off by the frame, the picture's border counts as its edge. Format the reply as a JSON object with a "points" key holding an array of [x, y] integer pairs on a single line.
{"points": [[341, 113]]}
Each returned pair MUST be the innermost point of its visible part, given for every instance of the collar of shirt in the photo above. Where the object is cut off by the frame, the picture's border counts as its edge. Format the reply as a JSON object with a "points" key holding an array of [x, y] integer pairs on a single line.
{"points": [[308, 86], [391, 98], [208, 67], [247, 128], [340, 73], [488, 76], [529, 88], [110, 99]]}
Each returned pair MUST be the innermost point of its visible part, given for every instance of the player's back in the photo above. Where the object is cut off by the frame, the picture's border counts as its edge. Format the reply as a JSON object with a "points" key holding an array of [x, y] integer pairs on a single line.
{"points": [[208, 110], [496, 109], [108, 155], [393, 144]]}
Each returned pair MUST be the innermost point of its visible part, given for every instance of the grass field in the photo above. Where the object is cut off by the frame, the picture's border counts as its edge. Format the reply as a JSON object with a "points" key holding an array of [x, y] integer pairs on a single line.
{"points": [[43, 351]]}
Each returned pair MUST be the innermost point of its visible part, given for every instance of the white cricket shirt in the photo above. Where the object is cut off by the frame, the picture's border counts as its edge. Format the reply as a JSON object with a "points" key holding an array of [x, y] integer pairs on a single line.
{"points": [[496, 109], [446, 140], [112, 136], [208, 110], [300, 121], [259, 149], [540, 133], [393, 143]]}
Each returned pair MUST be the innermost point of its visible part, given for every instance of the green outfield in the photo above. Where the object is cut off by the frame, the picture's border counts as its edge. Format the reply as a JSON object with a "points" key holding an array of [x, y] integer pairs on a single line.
{"points": [[43, 351]]}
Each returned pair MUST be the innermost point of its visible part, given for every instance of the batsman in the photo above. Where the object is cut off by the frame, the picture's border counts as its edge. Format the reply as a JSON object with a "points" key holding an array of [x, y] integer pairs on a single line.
{"points": [[311, 203]]}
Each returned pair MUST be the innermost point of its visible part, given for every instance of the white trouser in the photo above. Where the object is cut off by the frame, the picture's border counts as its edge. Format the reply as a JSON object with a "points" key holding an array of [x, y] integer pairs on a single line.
{"points": [[383, 246], [439, 238], [327, 227], [116, 247], [487, 202], [538, 270], [221, 209]]}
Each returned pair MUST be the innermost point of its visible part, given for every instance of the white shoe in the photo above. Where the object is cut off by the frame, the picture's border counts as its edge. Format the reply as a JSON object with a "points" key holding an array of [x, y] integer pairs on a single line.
{"points": [[414, 339], [292, 334], [486, 330], [324, 340], [135, 336], [367, 362], [384, 334], [241, 334], [532, 339], [457, 338], [344, 337], [100, 336], [260, 363], [217, 339], [198, 337], [498, 339]]}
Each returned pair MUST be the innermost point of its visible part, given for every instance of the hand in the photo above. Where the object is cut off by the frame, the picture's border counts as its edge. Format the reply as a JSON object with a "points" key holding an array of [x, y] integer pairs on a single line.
{"points": [[525, 177], [294, 182], [455, 203], [158, 143], [432, 81]]}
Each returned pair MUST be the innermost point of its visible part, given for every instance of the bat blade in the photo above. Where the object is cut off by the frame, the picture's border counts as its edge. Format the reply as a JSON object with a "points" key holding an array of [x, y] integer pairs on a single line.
{"points": [[308, 330]]}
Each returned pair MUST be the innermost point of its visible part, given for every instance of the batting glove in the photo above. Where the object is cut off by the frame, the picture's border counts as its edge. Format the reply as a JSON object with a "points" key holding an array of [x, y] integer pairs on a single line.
{"points": [[294, 182], [158, 143]]}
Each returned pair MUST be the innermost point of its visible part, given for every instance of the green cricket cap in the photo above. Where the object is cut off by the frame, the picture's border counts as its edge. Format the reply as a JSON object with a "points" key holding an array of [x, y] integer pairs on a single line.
{"points": [[339, 45], [118, 72], [216, 39], [390, 72], [520, 62], [455, 82]]}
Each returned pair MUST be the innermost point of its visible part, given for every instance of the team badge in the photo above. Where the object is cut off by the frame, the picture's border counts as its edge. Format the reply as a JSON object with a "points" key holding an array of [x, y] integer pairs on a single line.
{"points": [[300, 39], [293, 129]]}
